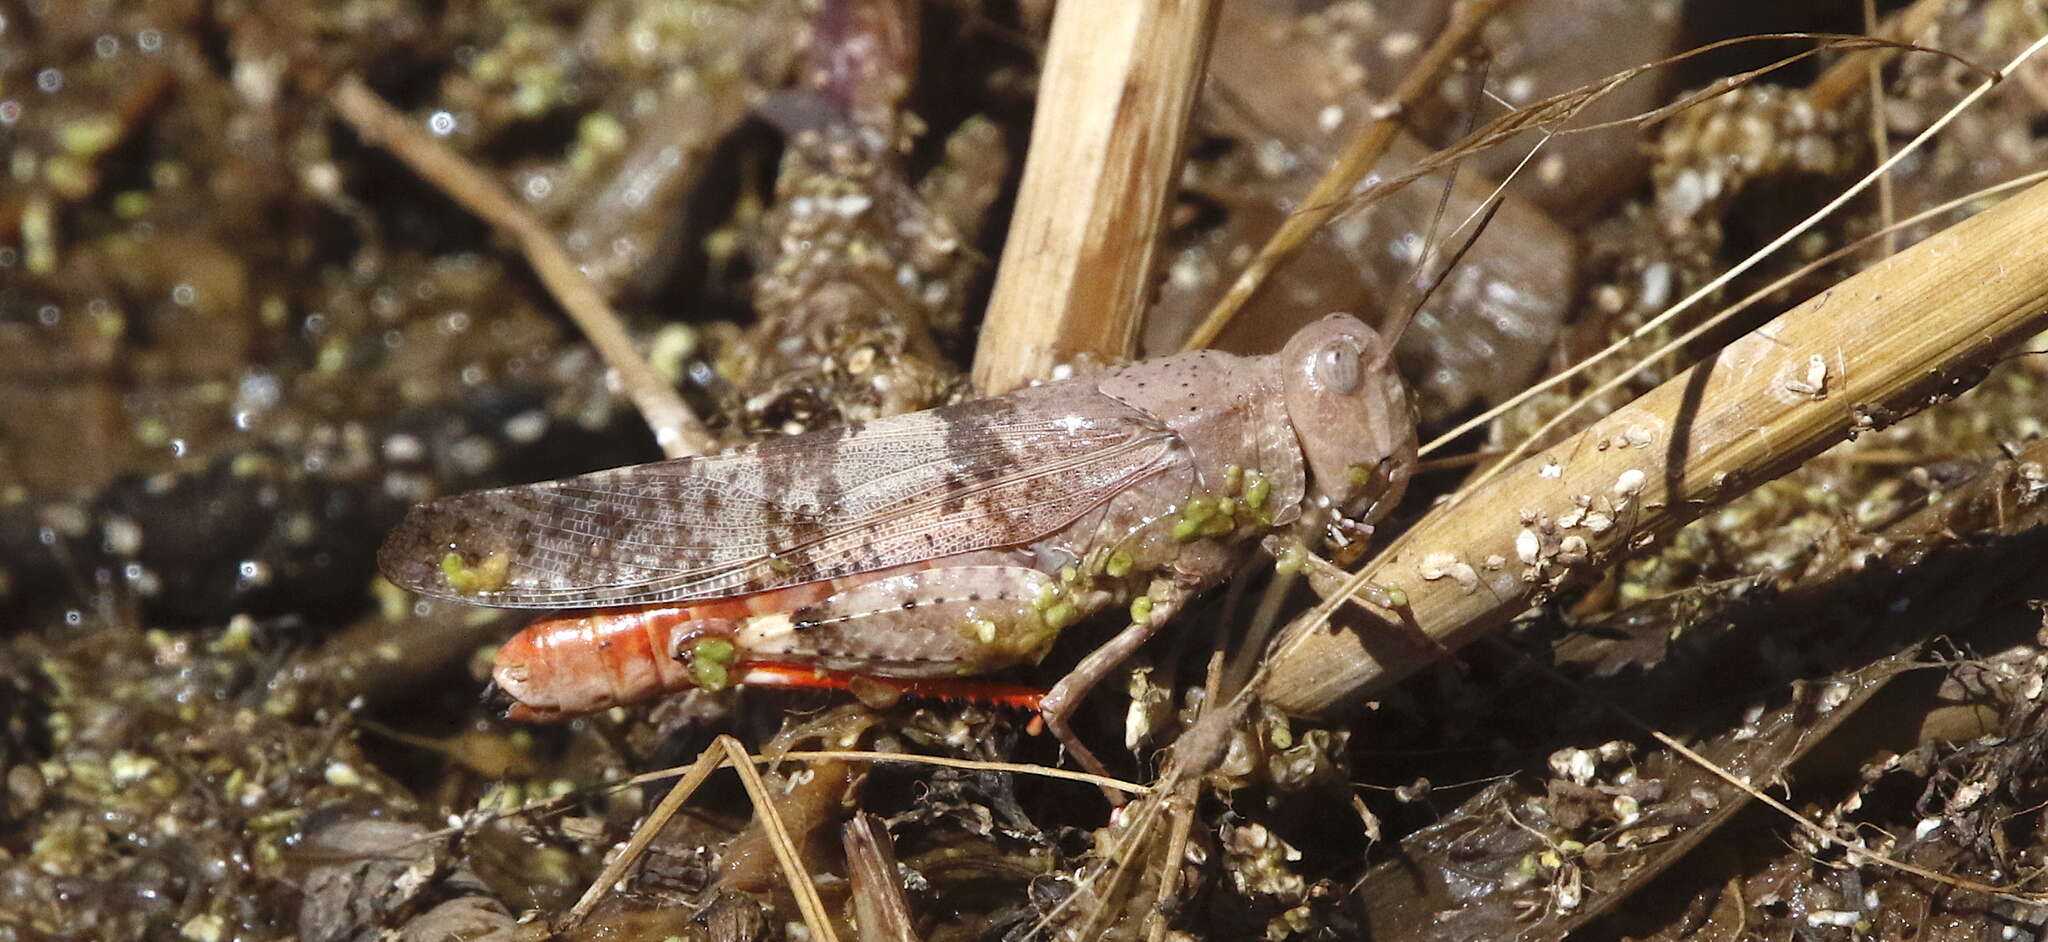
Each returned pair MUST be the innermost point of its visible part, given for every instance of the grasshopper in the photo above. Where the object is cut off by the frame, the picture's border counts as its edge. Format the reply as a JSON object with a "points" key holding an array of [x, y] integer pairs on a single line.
{"points": [[910, 550]]}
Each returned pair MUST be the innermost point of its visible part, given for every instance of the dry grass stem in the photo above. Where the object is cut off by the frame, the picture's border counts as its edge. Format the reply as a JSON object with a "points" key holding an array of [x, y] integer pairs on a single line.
{"points": [[1880, 137], [1015, 768], [707, 763], [845, 755], [693, 777], [1365, 150], [1835, 365], [800, 885], [1853, 849], [1182, 801], [1741, 783], [1113, 105], [1549, 116], [676, 429]]}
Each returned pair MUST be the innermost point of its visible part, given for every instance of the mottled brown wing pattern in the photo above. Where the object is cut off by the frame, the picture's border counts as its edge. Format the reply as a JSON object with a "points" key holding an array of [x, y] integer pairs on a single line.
{"points": [[980, 475]]}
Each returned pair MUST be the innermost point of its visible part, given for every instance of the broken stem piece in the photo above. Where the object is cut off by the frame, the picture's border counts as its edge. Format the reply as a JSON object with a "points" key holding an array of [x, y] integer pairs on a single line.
{"points": [[1113, 105], [880, 910]]}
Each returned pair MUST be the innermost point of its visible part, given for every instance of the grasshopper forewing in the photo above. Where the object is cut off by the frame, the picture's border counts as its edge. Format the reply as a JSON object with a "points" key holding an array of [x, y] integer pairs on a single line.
{"points": [[924, 546]]}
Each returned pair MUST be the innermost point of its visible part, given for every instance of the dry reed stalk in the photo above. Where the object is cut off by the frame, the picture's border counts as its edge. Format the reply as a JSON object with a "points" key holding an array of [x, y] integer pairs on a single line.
{"points": [[1114, 100], [1899, 336], [676, 429]]}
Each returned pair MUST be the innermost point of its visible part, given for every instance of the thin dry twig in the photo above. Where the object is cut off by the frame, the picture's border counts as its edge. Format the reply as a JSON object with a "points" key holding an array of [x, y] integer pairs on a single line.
{"points": [[1549, 116], [1742, 784], [1358, 158], [1824, 835], [1182, 824], [707, 763], [1173, 794], [1118, 87], [978, 765], [808, 902], [1014, 768], [676, 429], [694, 774], [1880, 141]]}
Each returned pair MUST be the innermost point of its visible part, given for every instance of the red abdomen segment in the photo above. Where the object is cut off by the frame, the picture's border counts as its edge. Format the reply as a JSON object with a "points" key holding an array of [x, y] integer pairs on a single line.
{"points": [[569, 665]]}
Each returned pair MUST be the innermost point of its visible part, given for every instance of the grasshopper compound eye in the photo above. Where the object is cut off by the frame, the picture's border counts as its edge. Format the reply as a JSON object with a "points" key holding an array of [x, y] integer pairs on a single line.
{"points": [[1351, 415], [1340, 366]]}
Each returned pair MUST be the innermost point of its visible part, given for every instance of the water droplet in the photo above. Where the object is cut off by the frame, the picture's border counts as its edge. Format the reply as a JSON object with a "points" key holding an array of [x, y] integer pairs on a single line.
{"points": [[252, 573], [526, 427], [50, 81], [441, 123]]}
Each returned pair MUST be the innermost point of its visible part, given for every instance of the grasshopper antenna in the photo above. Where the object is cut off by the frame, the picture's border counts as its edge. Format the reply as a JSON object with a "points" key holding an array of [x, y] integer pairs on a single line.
{"points": [[1420, 285], [1400, 324]]}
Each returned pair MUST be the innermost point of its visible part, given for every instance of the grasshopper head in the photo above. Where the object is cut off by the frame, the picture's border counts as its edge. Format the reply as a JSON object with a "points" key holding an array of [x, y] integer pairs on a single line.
{"points": [[1351, 414]]}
